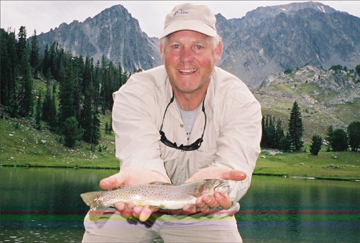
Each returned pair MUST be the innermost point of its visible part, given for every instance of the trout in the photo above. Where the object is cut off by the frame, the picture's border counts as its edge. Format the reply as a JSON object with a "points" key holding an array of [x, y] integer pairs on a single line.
{"points": [[158, 195]]}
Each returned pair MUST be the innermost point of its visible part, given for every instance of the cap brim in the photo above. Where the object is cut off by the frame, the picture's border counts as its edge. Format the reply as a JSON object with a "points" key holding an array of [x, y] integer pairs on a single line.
{"points": [[189, 25]]}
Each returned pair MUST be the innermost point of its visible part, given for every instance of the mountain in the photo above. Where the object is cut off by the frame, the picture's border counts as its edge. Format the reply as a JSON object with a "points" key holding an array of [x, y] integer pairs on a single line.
{"points": [[113, 33], [266, 41], [269, 40]]}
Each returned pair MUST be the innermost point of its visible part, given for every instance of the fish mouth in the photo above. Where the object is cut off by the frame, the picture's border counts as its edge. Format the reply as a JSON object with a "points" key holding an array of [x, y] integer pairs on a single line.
{"points": [[187, 71]]}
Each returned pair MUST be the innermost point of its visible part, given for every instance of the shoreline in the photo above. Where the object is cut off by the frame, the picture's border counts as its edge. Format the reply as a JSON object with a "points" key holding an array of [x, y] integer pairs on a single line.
{"points": [[118, 168]]}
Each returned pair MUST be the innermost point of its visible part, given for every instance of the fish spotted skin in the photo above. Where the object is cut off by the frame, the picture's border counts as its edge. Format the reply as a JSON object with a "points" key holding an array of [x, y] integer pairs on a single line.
{"points": [[164, 196]]}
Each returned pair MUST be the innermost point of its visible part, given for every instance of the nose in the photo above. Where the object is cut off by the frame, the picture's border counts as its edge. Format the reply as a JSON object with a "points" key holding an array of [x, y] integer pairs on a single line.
{"points": [[187, 55]]}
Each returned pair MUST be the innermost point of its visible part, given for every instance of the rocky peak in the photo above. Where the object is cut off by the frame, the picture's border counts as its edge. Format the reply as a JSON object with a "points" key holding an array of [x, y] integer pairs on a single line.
{"points": [[270, 40], [113, 33]]}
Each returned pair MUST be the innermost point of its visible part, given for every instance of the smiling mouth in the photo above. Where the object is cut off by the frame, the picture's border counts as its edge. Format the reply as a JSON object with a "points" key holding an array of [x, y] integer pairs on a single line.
{"points": [[187, 71]]}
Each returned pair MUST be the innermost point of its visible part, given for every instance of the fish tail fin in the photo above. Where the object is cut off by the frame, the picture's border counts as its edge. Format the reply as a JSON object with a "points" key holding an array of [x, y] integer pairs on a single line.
{"points": [[91, 199]]}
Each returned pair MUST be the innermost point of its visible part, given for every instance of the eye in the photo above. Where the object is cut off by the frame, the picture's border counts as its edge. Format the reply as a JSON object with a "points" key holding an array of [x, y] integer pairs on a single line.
{"points": [[198, 47], [176, 46]]}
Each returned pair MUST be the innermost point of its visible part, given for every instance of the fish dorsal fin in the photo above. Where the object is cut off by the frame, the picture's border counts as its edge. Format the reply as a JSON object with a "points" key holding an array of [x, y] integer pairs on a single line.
{"points": [[160, 183]]}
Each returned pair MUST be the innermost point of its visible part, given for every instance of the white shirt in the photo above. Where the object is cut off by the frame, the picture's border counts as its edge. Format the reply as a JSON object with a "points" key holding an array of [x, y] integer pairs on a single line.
{"points": [[231, 139]]}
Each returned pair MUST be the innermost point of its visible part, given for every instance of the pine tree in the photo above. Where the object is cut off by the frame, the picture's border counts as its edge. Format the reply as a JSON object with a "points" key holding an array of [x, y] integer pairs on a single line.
{"points": [[5, 72], [11, 47], [52, 110], [272, 133], [339, 140], [285, 143], [78, 67], [316, 143], [86, 116], [53, 60], [8, 69], [328, 138], [38, 112], [96, 128], [66, 95], [21, 44], [87, 74], [35, 54], [279, 133], [296, 127], [26, 99], [353, 132], [71, 131], [47, 99], [90, 117], [46, 61]]}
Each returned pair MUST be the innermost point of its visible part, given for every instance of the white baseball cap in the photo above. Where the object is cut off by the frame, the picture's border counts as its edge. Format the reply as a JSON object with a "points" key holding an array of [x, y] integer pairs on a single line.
{"points": [[190, 17]]}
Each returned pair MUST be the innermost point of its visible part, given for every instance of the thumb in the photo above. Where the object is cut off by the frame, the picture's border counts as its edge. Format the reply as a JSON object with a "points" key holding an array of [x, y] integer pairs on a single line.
{"points": [[234, 175], [111, 182]]}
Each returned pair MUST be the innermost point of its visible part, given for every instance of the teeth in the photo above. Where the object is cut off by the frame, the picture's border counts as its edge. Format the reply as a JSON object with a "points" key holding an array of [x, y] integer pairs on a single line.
{"points": [[188, 70]]}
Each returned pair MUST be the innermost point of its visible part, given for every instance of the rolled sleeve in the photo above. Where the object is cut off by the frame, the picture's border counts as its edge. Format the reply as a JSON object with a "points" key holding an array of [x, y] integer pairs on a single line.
{"points": [[239, 141]]}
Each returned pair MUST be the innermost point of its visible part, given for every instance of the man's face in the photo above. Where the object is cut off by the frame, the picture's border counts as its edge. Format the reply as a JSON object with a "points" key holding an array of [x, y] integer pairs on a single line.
{"points": [[189, 58]]}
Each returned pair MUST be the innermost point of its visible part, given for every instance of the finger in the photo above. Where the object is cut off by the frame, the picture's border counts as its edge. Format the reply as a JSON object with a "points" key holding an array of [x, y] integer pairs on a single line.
{"points": [[111, 182], [210, 201], [223, 200], [200, 205], [120, 206], [128, 210], [145, 214], [137, 211], [189, 209], [234, 175]]}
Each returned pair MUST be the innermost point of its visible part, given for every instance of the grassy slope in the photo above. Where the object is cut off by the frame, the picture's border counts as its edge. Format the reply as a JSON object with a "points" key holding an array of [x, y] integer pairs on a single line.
{"points": [[320, 106], [26, 148]]}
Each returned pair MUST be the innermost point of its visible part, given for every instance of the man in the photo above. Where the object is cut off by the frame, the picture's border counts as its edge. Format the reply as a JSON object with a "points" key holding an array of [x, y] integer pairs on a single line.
{"points": [[182, 122]]}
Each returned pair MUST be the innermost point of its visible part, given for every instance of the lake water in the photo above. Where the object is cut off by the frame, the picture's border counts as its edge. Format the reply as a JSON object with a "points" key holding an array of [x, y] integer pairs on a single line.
{"points": [[43, 205]]}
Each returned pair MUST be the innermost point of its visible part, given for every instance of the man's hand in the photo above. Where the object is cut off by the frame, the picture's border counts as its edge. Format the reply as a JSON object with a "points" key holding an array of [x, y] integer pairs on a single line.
{"points": [[130, 177], [209, 203]]}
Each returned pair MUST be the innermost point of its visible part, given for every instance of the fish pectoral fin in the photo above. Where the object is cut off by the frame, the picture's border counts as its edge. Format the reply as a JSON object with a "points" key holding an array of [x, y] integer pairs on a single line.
{"points": [[195, 194], [199, 189], [155, 207], [95, 213]]}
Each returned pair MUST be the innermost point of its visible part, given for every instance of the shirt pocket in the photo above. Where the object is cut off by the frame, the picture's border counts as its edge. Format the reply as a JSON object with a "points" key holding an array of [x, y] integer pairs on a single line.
{"points": [[202, 158], [170, 158]]}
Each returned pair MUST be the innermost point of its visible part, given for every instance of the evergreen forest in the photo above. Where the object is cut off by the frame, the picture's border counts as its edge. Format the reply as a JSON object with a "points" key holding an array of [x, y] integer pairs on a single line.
{"points": [[77, 89]]}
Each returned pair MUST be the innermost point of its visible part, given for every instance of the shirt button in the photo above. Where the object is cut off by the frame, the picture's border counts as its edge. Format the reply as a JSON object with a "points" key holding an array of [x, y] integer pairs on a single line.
{"points": [[181, 125]]}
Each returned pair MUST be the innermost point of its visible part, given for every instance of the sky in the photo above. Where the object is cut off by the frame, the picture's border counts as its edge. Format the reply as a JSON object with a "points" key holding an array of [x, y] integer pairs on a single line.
{"points": [[44, 15]]}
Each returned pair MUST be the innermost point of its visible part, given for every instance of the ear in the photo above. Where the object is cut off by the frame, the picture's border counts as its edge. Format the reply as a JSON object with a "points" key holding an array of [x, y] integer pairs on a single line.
{"points": [[162, 50], [218, 51]]}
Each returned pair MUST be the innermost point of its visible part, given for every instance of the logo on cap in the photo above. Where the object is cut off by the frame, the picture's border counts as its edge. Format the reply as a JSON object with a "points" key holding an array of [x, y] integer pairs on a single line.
{"points": [[184, 11]]}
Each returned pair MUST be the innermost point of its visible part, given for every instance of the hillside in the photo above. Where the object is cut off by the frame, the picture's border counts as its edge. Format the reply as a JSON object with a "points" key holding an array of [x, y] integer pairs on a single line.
{"points": [[325, 97], [21, 144]]}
